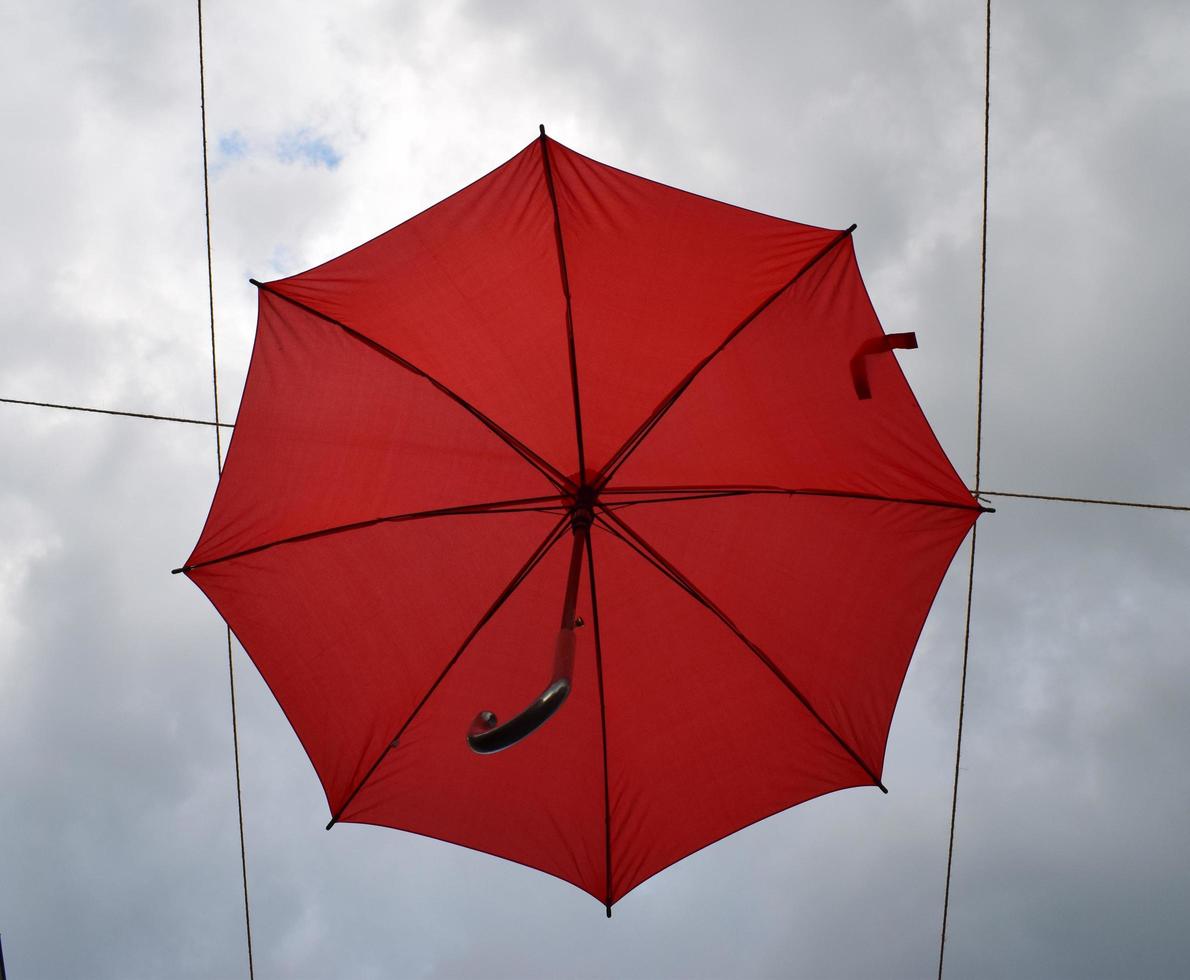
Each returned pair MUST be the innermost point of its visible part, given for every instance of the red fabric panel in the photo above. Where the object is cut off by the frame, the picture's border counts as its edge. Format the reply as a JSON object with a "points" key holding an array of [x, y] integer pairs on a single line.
{"points": [[470, 292], [331, 432], [658, 278], [350, 630], [777, 407], [835, 591], [877, 345], [702, 740], [539, 803]]}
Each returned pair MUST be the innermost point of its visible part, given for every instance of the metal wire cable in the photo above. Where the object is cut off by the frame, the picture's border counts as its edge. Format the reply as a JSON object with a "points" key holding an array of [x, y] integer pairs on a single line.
{"points": [[1101, 501], [114, 411], [1105, 502], [958, 751], [1087, 500], [231, 675], [983, 269]]}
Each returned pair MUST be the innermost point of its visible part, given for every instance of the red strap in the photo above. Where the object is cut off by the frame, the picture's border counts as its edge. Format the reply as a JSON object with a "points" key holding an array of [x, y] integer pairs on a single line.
{"points": [[877, 345]]}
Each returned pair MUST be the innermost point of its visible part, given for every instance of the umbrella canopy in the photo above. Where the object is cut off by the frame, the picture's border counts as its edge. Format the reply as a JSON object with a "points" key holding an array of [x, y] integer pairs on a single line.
{"points": [[568, 387]]}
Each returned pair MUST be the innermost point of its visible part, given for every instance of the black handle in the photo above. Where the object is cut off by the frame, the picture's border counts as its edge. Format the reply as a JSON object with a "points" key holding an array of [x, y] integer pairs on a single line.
{"points": [[486, 735]]}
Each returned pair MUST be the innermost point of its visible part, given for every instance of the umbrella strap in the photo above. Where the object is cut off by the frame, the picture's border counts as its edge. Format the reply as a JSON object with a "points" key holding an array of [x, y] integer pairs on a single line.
{"points": [[877, 345]]}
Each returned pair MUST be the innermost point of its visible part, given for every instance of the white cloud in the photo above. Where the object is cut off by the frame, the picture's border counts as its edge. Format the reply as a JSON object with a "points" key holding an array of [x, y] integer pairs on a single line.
{"points": [[120, 852]]}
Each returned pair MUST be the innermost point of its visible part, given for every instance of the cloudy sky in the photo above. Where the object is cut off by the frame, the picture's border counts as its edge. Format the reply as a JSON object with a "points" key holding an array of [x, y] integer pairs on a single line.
{"points": [[119, 855]]}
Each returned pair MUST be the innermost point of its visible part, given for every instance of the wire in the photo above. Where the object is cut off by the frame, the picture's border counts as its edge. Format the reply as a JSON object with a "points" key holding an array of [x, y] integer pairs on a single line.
{"points": [[958, 752], [1087, 500], [206, 203], [231, 676], [983, 277], [1185, 508], [113, 411]]}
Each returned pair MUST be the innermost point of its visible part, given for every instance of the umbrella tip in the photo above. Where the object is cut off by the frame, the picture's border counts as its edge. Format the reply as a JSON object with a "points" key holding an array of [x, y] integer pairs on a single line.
{"points": [[609, 910], [541, 128]]}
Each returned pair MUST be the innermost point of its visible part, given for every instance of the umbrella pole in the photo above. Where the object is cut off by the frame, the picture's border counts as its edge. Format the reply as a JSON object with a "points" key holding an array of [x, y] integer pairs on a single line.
{"points": [[580, 528]]}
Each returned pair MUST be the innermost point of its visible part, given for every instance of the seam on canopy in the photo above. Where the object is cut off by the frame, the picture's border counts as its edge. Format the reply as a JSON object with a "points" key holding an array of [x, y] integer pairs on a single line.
{"points": [[535, 460], [607, 808], [521, 506], [650, 554], [539, 552], [709, 491], [578, 414], [633, 442]]}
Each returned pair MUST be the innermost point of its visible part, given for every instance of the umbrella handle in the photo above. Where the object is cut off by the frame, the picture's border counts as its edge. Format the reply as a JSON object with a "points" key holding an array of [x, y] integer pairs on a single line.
{"points": [[486, 735]]}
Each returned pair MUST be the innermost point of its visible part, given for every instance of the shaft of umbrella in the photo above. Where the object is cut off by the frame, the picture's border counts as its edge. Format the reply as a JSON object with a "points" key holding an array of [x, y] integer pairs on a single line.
{"points": [[486, 735], [580, 528]]}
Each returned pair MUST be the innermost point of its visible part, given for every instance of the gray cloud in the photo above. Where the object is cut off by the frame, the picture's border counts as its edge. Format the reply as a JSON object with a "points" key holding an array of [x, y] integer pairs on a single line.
{"points": [[120, 851]]}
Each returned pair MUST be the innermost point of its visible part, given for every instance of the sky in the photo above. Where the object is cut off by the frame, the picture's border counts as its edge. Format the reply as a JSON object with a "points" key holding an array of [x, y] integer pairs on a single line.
{"points": [[331, 123]]}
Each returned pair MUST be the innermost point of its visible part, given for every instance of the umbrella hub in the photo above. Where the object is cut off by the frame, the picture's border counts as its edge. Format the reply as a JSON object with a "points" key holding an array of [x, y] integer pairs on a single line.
{"points": [[582, 500]]}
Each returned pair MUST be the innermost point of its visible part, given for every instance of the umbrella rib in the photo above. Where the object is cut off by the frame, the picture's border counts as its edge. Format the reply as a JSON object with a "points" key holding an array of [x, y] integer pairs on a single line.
{"points": [[607, 808], [533, 459], [578, 415], [705, 492], [523, 505], [539, 552], [649, 553], [667, 403]]}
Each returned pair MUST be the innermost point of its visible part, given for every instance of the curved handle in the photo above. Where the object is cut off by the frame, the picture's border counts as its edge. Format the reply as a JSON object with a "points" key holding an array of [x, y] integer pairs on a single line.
{"points": [[487, 735]]}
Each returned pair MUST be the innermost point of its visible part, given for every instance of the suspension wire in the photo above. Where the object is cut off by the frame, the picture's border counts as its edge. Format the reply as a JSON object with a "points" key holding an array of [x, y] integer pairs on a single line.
{"points": [[114, 411], [1087, 500], [231, 675], [235, 747], [958, 750], [983, 270], [718, 493], [1101, 501], [206, 204]]}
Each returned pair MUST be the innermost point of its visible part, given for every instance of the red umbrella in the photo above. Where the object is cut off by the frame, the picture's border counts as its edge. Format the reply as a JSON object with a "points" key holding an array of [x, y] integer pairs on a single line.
{"points": [[566, 385]]}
